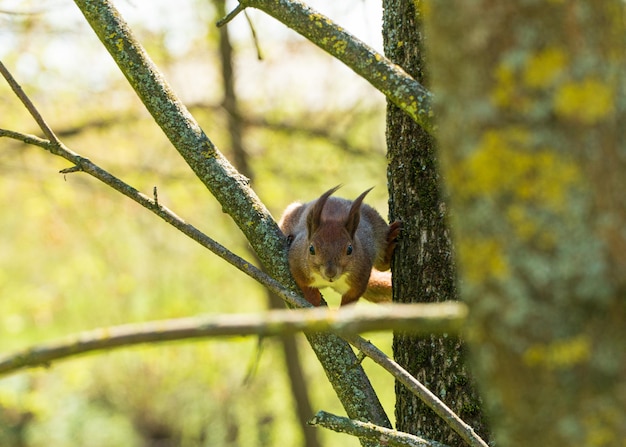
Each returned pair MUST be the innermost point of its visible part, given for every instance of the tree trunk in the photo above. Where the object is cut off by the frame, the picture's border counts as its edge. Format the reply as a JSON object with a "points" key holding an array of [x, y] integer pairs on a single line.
{"points": [[424, 268], [531, 111]]}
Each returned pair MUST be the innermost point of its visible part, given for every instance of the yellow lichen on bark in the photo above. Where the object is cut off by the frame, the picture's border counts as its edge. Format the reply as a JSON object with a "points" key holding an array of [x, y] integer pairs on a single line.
{"points": [[587, 101], [508, 163], [523, 222], [505, 93], [599, 426], [545, 67], [543, 80], [482, 259], [559, 354], [530, 183]]}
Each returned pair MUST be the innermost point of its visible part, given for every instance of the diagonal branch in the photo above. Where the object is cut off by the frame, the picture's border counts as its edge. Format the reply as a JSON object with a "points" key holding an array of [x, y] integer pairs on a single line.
{"points": [[390, 79], [415, 318], [87, 166], [228, 186]]}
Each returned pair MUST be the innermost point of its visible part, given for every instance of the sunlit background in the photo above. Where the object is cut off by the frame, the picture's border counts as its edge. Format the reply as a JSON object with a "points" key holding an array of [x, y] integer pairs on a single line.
{"points": [[76, 255]]}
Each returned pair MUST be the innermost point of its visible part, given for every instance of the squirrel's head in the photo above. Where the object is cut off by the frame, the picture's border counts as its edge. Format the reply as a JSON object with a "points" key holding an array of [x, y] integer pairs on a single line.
{"points": [[331, 236]]}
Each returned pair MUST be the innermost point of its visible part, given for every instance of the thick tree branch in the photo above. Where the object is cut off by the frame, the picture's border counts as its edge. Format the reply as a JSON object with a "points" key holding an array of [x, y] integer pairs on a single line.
{"points": [[387, 77], [384, 436], [421, 319], [228, 186]]}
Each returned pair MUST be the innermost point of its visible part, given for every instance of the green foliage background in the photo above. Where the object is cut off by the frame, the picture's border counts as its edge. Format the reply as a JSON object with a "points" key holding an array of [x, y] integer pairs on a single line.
{"points": [[76, 255]]}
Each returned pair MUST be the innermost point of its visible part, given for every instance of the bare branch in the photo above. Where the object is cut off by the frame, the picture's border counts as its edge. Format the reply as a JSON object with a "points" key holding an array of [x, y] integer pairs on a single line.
{"points": [[414, 318], [255, 39], [384, 436], [390, 79]]}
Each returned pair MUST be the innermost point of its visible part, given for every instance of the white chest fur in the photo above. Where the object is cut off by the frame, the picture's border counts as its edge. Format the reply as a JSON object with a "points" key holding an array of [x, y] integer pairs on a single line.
{"points": [[341, 285]]}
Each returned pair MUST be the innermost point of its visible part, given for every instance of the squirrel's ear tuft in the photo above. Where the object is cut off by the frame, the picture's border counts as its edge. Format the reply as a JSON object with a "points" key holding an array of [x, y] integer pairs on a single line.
{"points": [[315, 215], [354, 216]]}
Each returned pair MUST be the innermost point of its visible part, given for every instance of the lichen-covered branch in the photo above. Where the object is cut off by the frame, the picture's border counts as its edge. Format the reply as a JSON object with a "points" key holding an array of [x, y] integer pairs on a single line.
{"points": [[382, 435], [390, 79], [419, 319]]}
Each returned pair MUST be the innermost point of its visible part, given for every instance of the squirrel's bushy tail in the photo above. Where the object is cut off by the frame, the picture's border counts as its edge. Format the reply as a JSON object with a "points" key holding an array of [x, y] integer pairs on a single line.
{"points": [[378, 287]]}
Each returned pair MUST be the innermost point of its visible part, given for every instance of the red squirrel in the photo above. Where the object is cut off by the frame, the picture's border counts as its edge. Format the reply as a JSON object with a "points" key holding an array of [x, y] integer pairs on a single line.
{"points": [[342, 244]]}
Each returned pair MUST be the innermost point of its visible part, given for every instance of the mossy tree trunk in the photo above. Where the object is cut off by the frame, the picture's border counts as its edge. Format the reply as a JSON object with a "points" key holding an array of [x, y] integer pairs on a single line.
{"points": [[531, 112], [424, 269]]}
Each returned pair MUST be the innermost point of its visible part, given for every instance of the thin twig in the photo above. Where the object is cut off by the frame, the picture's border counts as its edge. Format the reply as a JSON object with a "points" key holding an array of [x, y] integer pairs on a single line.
{"points": [[19, 92], [87, 166], [255, 38], [385, 436], [231, 15]]}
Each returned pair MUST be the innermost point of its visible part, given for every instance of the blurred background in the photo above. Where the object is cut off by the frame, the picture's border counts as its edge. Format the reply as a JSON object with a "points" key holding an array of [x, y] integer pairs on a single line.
{"points": [[76, 255]]}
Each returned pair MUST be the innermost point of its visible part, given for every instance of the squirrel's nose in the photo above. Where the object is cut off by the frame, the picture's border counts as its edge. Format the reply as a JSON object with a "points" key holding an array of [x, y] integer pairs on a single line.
{"points": [[330, 271]]}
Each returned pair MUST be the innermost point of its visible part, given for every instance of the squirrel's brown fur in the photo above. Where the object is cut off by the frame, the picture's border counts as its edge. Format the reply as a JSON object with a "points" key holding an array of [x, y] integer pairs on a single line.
{"points": [[336, 243]]}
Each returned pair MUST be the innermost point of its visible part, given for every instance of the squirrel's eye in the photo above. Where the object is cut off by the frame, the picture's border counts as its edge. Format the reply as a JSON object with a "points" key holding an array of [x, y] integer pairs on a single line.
{"points": [[349, 250], [312, 250]]}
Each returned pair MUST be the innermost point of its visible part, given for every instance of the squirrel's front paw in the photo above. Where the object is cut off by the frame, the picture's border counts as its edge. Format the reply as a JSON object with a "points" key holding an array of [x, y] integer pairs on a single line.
{"points": [[394, 231]]}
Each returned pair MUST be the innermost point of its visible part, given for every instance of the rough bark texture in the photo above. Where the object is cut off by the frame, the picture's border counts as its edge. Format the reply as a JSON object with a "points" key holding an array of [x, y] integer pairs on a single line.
{"points": [[424, 268], [531, 110]]}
